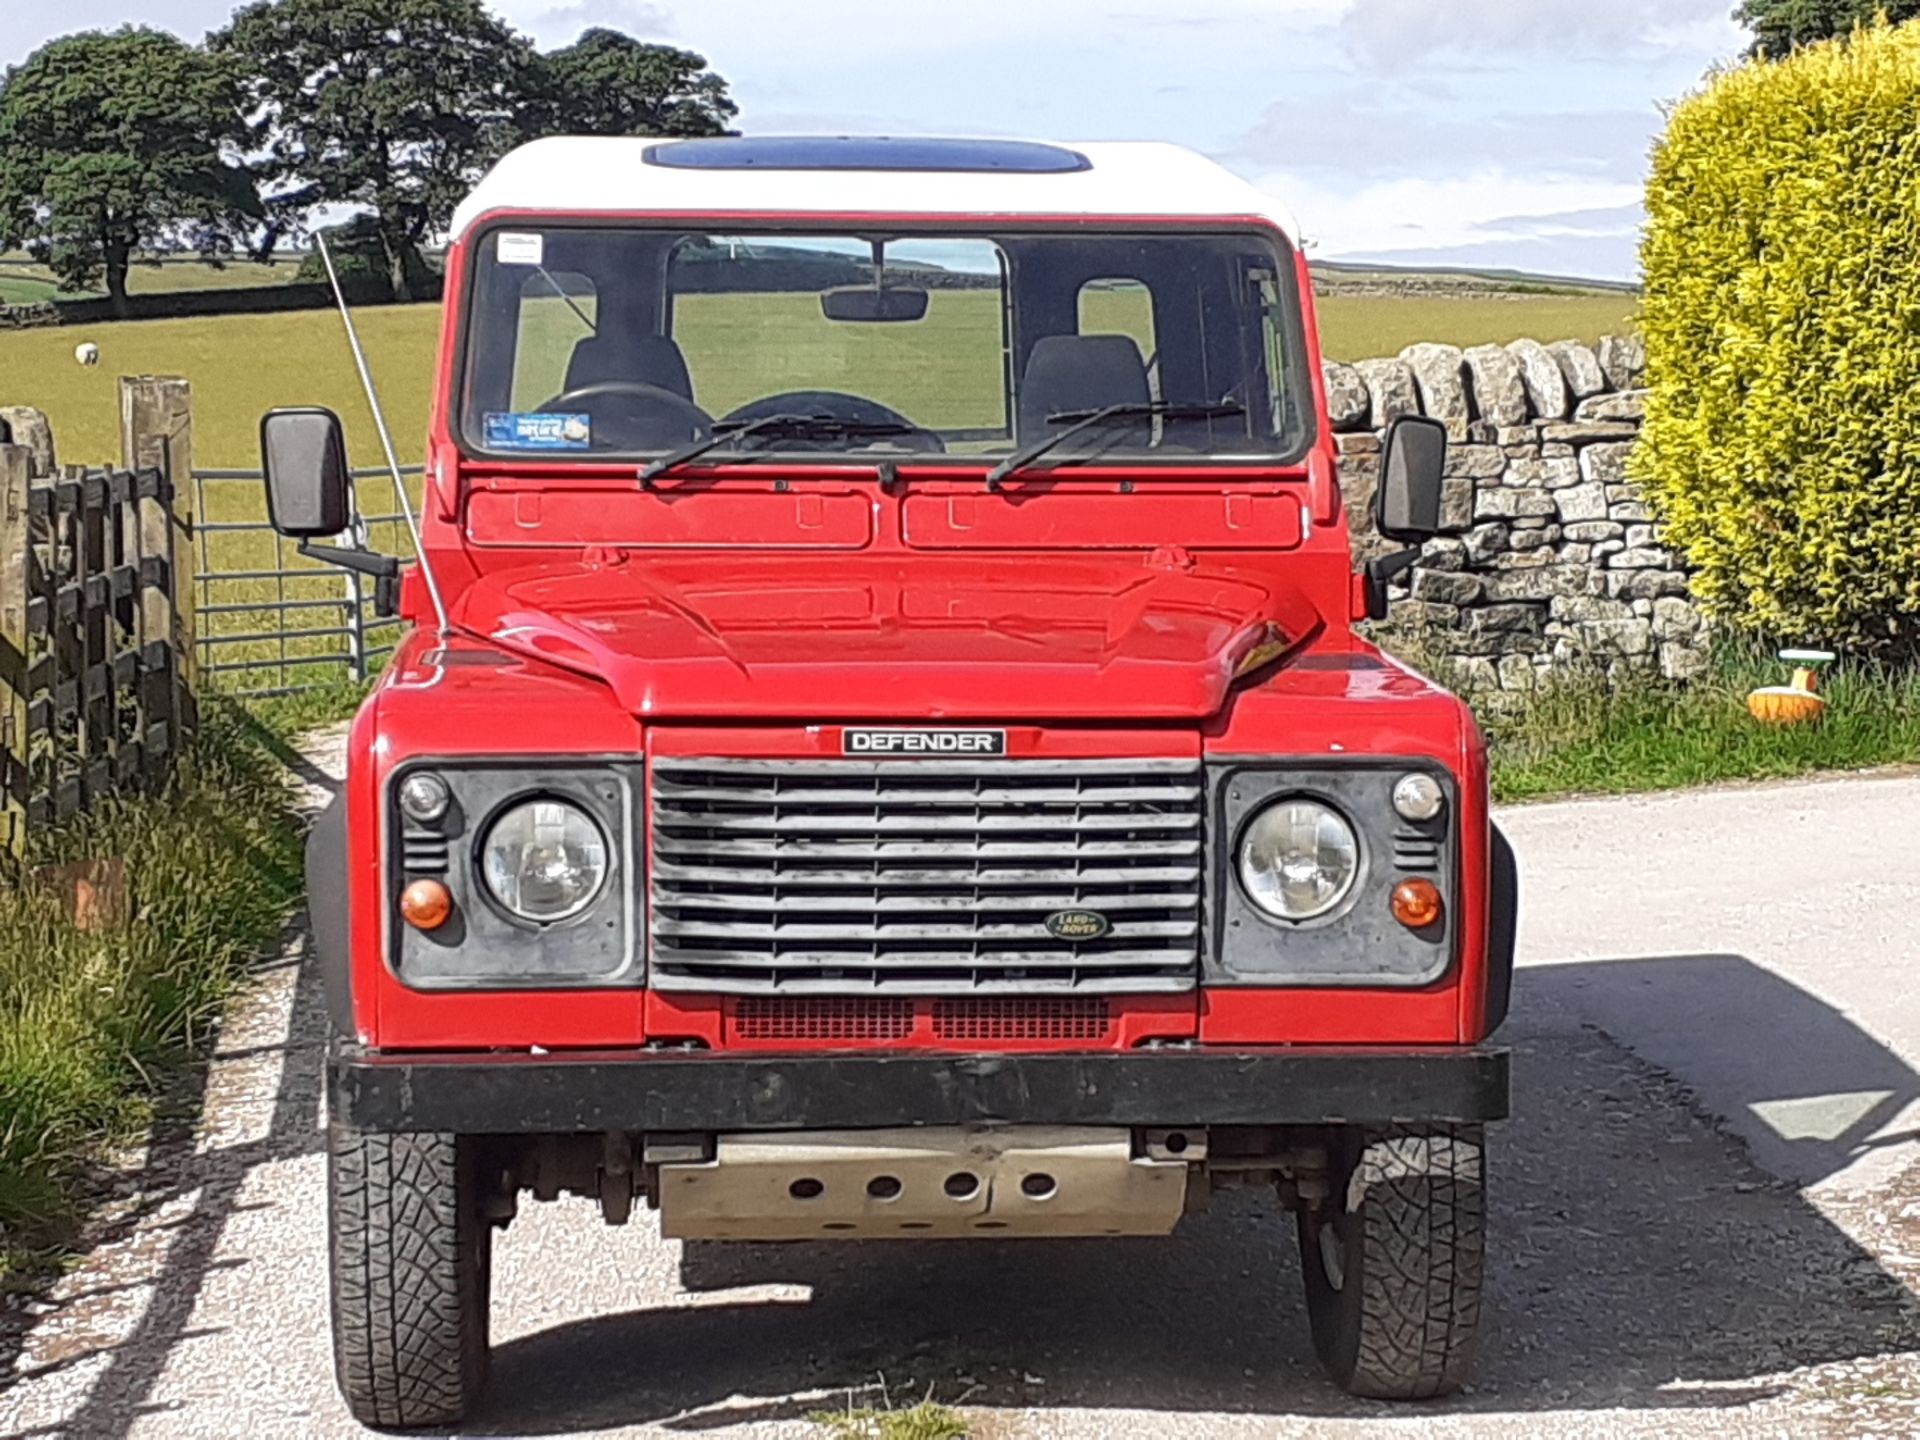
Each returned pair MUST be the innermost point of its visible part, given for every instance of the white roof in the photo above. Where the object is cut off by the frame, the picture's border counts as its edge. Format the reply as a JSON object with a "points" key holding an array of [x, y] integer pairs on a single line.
{"points": [[613, 176]]}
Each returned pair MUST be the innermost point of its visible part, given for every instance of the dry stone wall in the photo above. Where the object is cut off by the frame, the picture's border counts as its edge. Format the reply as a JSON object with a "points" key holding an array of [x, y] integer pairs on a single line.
{"points": [[1550, 558], [30, 316]]}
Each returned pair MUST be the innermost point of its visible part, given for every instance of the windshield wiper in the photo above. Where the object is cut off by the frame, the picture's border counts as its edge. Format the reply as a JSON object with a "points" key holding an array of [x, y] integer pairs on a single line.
{"points": [[785, 427], [1077, 421]]}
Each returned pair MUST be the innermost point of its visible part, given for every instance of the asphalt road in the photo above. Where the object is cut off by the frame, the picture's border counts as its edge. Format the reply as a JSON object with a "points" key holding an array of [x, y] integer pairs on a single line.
{"points": [[1706, 1217]]}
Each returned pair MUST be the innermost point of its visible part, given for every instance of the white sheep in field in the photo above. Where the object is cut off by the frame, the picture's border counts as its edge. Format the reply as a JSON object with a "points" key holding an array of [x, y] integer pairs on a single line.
{"points": [[87, 353]]}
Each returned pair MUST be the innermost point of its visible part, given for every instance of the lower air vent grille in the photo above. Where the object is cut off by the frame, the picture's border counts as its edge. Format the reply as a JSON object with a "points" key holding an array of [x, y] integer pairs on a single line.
{"points": [[1013, 1018], [823, 1019]]}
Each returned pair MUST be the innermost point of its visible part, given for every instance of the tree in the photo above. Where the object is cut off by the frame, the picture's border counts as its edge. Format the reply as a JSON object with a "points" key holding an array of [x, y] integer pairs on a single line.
{"points": [[116, 144], [359, 254], [1782, 26], [391, 105], [606, 83]]}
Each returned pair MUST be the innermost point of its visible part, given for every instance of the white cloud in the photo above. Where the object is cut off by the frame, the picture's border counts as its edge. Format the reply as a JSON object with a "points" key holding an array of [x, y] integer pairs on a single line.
{"points": [[741, 32], [562, 20], [1391, 34], [1418, 213], [1358, 133], [1504, 129]]}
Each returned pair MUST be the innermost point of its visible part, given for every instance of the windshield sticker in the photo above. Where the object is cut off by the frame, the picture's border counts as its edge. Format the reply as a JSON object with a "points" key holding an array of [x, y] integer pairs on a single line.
{"points": [[538, 431], [519, 248]]}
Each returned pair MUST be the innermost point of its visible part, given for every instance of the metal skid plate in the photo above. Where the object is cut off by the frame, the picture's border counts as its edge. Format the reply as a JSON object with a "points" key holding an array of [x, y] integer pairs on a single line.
{"points": [[921, 1184]]}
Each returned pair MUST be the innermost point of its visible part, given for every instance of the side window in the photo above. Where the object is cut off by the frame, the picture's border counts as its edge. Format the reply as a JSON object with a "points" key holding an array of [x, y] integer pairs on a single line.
{"points": [[1119, 307], [557, 311], [1273, 349]]}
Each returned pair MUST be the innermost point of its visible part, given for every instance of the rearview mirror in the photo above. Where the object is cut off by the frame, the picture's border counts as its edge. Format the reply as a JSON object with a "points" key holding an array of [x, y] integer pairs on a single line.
{"points": [[861, 305], [304, 455], [1413, 468]]}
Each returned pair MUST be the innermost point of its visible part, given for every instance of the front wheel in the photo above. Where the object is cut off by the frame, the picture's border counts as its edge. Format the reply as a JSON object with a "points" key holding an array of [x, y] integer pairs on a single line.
{"points": [[1395, 1258], [411, 1259]]}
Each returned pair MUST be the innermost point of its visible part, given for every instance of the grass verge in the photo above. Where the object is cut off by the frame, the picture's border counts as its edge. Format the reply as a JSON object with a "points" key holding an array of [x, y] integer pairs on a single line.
{"points": [[89, 1018], [925, 1421], [1584, 735]]}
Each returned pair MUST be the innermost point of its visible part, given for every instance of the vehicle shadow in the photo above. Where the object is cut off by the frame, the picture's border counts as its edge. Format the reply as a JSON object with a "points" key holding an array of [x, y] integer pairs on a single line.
{"points": [[1806, 1088], [1639, 1258]]}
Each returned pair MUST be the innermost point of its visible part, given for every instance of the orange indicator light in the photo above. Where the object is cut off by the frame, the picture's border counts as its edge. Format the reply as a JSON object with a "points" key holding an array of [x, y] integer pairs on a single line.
{"points": [[425, 904], [1417, 904]]}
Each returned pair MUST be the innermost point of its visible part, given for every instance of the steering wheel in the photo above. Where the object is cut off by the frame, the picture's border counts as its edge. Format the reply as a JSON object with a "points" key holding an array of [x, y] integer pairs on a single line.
{"points": [[653, 418], [854, 409]]}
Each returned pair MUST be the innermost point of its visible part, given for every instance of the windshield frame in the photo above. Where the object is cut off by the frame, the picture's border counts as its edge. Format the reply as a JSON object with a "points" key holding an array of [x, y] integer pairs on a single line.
{"points": [[1289, 273]]}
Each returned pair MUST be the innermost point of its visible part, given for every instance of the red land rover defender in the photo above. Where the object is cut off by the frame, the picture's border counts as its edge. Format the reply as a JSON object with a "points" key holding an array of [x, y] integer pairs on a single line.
{"points": [[883, 751]]}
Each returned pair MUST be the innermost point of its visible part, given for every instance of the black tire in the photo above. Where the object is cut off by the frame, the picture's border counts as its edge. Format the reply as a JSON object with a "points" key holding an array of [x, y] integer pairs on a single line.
{"points": [[410, 1257], [1395, 1260]]}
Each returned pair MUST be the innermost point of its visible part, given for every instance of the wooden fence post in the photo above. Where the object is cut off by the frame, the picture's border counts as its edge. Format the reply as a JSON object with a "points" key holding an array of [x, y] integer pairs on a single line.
{"points": [[30, 428], [16, 461], [156, 433]]}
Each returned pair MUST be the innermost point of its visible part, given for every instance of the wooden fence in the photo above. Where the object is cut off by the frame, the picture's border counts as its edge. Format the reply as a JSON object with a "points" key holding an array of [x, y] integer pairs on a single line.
{"points": [[96, 616]]}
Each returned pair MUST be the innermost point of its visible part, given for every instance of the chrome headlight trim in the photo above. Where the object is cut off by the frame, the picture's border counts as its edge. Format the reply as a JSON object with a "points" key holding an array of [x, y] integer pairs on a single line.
{"points": [[1274, 866], [561, 837]]}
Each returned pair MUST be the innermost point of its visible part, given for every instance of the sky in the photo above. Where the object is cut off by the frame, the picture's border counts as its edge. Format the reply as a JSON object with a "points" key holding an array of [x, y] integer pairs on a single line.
{"points": [[1509, 133]]}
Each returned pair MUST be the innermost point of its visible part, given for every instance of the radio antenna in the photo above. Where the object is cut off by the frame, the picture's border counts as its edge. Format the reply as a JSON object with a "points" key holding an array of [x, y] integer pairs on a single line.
{"points": [[386, 437]]}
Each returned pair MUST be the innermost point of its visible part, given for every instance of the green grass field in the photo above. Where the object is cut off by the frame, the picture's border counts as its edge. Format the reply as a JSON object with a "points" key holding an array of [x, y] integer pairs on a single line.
{"points": [[1359, 327], [241, 365], [20, 286]]}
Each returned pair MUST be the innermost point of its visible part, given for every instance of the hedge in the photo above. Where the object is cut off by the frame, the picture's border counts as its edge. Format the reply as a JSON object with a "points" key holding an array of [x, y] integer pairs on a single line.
{"points": [[1782, 316]]}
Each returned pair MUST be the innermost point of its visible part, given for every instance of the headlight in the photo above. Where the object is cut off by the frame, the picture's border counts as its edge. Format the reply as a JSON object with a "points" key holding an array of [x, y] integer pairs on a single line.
{"points": [[424, 797], [545, 860], [1298, 859], [1418, 797]]}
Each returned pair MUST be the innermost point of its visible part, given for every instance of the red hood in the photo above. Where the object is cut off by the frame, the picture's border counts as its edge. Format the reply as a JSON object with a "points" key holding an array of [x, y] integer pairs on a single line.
{"points": [[884, 638]]}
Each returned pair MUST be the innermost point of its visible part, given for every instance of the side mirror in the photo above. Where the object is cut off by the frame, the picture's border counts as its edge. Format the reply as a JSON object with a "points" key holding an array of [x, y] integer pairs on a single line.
{"points": [[304, 455], [1413, 467], [858, 304]]}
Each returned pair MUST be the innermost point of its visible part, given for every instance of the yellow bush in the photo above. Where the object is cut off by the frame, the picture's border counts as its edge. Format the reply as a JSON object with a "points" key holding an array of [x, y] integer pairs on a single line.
{"points": [[1782, 316]]}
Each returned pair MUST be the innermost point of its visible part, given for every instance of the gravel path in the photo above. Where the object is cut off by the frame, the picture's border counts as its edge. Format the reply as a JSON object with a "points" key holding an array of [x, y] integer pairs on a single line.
{"points": [[1648, 1279]]}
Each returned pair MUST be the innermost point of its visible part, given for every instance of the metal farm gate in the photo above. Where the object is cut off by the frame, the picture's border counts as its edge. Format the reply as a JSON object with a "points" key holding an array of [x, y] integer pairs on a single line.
{"points": [[272, 621]]}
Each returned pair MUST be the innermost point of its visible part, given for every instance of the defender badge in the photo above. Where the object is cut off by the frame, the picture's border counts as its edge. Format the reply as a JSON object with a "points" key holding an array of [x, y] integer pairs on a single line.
{"points": [[923, 742], [1078, 925]]}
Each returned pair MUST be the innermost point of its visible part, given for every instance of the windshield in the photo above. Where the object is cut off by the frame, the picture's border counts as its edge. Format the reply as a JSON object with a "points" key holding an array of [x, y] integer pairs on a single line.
{"points": [[593, 342]]}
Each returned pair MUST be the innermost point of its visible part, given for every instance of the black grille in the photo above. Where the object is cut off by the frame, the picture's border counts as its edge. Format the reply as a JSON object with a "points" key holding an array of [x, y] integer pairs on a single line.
{"points": [[929, 877]]}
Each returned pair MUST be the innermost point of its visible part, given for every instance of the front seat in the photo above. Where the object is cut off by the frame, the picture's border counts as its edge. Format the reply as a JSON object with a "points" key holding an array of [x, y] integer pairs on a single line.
{"points": [[635, 359], [1071, 373]]}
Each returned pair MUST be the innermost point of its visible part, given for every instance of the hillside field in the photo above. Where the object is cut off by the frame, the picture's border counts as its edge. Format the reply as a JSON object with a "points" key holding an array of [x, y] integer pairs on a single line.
{"points": [[241, 365], [22, 281]]}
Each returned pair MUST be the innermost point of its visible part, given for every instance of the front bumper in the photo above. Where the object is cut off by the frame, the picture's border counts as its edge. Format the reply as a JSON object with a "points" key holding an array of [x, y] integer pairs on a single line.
{"points": [[528, 1094]]}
